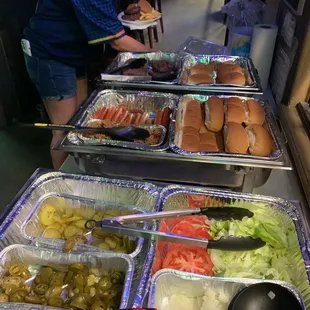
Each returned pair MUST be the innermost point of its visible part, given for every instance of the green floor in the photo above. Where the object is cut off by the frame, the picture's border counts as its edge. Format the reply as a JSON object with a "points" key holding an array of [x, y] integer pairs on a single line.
{"points": [[22, 151]]}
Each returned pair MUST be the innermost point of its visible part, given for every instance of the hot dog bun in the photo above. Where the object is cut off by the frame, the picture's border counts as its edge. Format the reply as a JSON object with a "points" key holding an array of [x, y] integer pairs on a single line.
{"points": [[235, 111], [256, 113], [259, 139], [236, 139], [205, 69], [214, 114]]}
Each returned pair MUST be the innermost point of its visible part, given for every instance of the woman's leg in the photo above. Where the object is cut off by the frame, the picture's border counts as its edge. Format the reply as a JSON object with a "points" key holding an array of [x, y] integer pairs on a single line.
{"points": [[59, 112], [57, 85], [82, 91]]}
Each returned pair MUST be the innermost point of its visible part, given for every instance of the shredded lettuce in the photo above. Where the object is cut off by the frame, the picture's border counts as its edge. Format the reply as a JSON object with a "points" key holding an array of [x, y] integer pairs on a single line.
{"points": [[279, 259]]}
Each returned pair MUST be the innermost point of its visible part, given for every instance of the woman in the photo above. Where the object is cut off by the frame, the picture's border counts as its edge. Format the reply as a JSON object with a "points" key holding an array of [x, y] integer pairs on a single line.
{"points": [[56, 46]]}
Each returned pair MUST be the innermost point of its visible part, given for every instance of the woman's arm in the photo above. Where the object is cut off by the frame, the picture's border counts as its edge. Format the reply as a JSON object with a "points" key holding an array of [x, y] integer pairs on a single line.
{"points": [[128, 44]]}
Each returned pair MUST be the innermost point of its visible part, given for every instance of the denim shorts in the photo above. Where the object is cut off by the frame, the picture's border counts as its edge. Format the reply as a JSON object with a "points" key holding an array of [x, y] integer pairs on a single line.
{"points": [[54, 80]]}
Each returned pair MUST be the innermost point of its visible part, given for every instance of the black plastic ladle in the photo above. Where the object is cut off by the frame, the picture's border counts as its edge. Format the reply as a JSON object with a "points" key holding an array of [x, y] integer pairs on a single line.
{"points": [[265, 296]]}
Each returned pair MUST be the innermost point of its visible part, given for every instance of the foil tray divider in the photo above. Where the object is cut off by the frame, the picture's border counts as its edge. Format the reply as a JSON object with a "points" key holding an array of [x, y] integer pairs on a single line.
{"points": [[269, 121], [150, 101]]}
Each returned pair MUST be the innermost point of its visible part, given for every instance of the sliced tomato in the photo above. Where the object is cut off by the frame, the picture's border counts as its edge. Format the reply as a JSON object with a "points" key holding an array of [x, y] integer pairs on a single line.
{"points": [[196, 201], [99, 114], [123, 117], [195, 260], [110, 114], [117, 115], [192, 226]]}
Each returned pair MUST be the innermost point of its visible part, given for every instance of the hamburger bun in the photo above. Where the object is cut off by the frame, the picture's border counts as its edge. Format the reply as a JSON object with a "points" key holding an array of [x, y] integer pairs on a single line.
{"points": [[256, 113], [145, 6], [187, 139], [236, 139], [234, 78], [200, 79], [204, 147], [189, 115], [235, 111], [205, 69], [214, 114], [225, 68], [259, 139]]}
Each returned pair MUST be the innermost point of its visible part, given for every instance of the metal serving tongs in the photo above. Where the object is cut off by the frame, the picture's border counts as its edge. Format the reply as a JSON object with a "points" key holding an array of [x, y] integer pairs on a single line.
{"points": [[117, 225]]}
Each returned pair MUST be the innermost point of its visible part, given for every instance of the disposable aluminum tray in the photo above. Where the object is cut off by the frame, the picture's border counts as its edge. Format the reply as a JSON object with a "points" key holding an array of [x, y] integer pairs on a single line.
{"points": [[140, 194], [175, 197], [252, 78], [32, 230], [37, 257], [167, 282], [174, 58], [270, 125], [147, 101], [197, 46]]}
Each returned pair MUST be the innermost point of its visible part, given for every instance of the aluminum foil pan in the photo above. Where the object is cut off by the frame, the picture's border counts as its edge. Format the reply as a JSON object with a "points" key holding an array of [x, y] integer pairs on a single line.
{"points": [[252, 78], [167, 282], [122, 58], [147, 101], [142, 195], [270, 125], [33, 230], [197, 46], [175, 197], [35, 258]]}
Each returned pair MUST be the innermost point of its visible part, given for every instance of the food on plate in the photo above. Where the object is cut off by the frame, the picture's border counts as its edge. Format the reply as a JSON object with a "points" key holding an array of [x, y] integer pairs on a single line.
{"points": [[68, 223], [213, 299], [202, 68], [132, 12], [235, 111], [234, 78], [200, 79], [279, 259], [140, 11], [76, 286], [214, 114], [236, 139], [260, 141], [256, 113], [189, 259]]}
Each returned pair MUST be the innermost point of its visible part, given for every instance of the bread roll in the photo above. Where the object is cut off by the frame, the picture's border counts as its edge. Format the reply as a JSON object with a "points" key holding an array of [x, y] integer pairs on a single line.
{"points": [[145, 6], [189, 115], [225, 68], [235, 111], [234, 78], [214, 114], [205, 69], [188, 139], [256, 113], [259, 139], [236, 139], [200, 79]]}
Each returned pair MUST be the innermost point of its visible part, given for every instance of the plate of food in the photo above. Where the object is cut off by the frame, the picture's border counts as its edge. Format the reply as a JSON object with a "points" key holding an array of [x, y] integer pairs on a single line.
{"points": [[141, 13]]}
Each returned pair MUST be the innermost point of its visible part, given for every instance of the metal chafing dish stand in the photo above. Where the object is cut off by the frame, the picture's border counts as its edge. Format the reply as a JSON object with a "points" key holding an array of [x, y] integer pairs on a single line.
{"points": [[229, 172]]}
